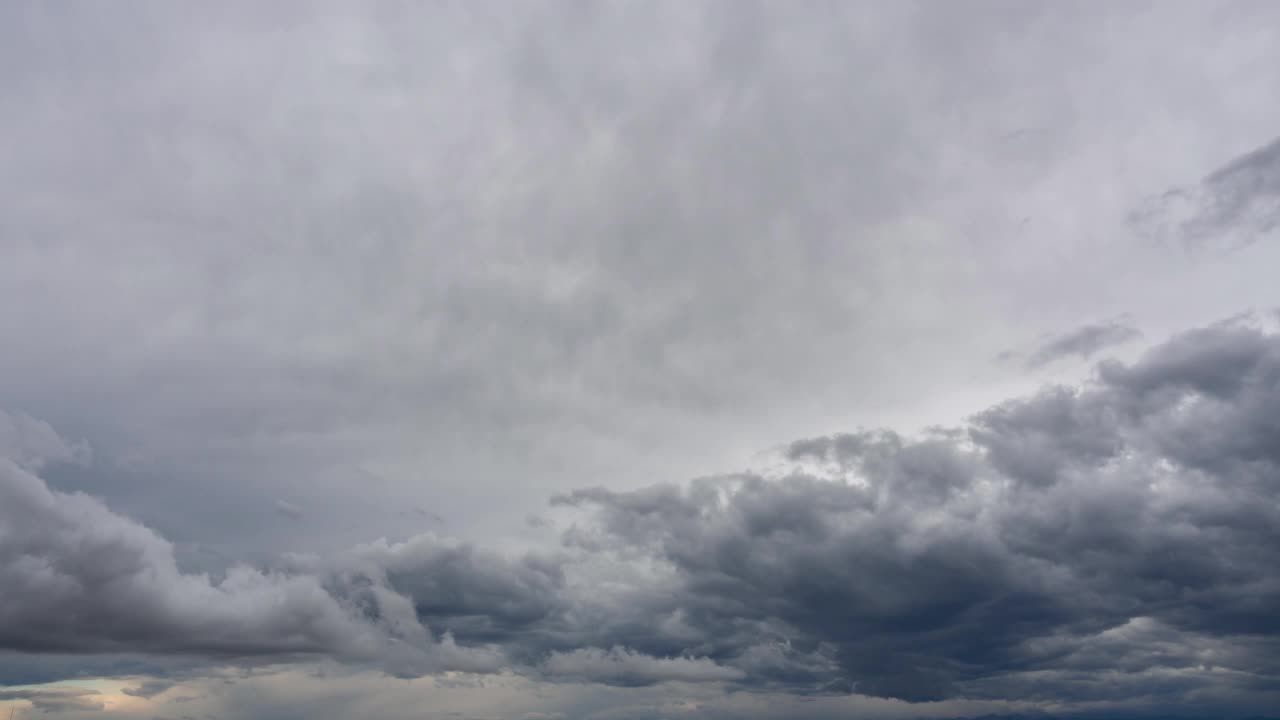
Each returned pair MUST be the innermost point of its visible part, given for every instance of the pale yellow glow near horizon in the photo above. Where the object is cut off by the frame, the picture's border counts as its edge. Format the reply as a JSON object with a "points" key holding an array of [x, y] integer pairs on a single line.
{"points": [[108, 691]]}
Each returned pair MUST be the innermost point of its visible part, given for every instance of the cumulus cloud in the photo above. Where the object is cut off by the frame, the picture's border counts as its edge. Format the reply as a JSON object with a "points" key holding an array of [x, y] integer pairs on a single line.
{"points": [[356, 260], [1081, 544], [78, 578], [1125, 527], [570, 236], [474, 595]]}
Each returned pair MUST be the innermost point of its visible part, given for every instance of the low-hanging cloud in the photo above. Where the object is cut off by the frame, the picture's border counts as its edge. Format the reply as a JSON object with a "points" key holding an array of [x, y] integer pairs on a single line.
{"points": [[1086, 543], [78, 578]]}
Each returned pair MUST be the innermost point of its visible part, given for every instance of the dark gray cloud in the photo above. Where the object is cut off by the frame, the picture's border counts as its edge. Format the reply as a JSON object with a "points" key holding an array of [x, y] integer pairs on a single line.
{"points": [[1083, 342], [475, 595], [1124, 528], [1082, 544], [78, 578], [308, 275]]}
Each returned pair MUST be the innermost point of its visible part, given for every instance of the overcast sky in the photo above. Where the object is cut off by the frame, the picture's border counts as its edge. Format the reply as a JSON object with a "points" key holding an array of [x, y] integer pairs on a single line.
{"points": [[560, 360]]}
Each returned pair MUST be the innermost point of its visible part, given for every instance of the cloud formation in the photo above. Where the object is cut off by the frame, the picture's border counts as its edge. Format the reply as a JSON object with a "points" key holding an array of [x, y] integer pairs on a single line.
{"points": [[1081, 544], [1124, 529], [320, 282], [1082, 342], [273, 246], [78, 578], [1235, 205]]}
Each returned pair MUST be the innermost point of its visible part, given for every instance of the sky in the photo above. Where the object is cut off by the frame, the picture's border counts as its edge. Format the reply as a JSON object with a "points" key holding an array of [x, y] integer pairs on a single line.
{"points": [[635, 360]]}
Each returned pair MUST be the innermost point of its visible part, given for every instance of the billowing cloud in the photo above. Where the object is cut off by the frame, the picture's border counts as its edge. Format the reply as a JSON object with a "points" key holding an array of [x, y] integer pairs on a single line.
{"points": [[1125, 530], [1080, 544], [339, 294], [78, 578], [273, 248]]}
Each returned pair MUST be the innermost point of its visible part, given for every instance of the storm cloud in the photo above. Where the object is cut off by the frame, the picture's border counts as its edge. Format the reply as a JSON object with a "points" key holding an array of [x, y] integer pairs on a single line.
{"points": [[80, 578], [1079, 544], [1126, 526]]}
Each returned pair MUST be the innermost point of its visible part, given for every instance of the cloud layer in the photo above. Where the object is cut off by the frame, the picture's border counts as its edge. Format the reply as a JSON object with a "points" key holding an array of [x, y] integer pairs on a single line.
{"points": [[340, 294], [281, 253]]}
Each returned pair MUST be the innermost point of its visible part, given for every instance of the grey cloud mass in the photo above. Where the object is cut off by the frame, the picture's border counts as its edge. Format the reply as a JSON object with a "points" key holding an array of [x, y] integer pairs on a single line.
{"points": [[1126, 526], [356, 359], [80, 578], [449, 246], [1080, 544]]}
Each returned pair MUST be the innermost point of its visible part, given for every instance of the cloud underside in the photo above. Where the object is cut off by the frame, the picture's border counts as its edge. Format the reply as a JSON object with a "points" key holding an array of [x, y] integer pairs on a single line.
{"points": [[1108, 541]]}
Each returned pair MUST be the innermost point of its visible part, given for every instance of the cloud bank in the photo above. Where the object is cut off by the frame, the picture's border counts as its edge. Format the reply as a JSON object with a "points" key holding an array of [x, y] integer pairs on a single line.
{"points": [[78, 578], [1083, 544]]}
